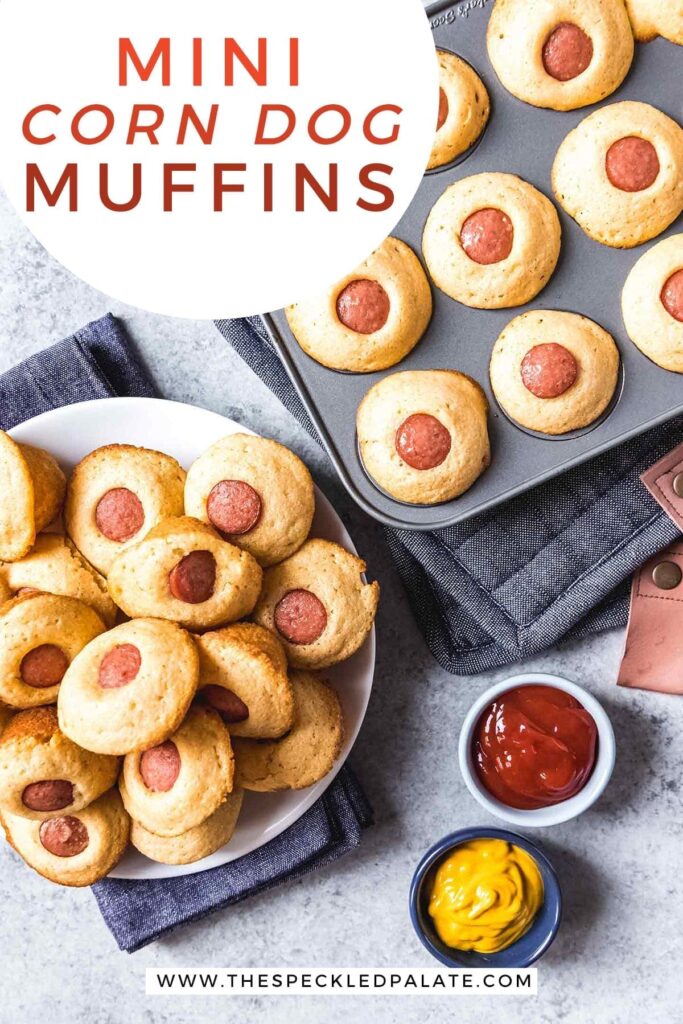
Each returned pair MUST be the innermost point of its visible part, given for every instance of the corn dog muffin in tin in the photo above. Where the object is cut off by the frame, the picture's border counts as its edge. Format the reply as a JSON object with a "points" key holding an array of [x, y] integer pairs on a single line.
{"points": [[184, 571], [650, 18], [491, 241], [257, 493], [652, 304], [307, 753], [243, 676], [42, 771], [6, 716], [40, 635], [55, 566], [372, 318], [464, 109], [73, 849], [195, 844], [561, 54], [115, 496], [318, 605], [619, 174], [554, 372], [423, 435], [32, 486], [172, 787], [130, 688]]}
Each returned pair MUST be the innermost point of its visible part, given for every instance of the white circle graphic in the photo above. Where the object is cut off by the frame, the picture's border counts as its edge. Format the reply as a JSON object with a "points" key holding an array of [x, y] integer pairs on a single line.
{"points": [[129, 141]]}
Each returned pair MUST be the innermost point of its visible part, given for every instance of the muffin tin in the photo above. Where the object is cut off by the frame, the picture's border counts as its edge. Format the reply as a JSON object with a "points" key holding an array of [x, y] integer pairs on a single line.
{"points": [[522, 140]]}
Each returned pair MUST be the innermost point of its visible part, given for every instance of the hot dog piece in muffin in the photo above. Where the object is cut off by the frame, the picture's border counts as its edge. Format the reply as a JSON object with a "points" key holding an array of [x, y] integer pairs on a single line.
{"points": [[185, 572], [116, 495], [243, 676], [652, 304], [561, 54], [32, 491], [463, 109], [318, 605], [73, 849], [172, 787], [130, 688], [492, 240], [195, 844], [307, 753], [372, 318], [553, 371], [42, 771], [650, 18], [257, 493], [55, 566], [619, 174], [423, 435], [40, 635]]}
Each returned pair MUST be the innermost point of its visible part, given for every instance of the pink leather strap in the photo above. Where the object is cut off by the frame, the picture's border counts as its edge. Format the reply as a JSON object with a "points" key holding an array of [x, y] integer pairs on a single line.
{"points": [[664, 481], [653, 658]]}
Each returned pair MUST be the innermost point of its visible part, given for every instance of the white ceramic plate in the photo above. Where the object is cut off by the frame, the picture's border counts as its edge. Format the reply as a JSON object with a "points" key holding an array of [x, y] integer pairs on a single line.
{"points": [[185, 431]]}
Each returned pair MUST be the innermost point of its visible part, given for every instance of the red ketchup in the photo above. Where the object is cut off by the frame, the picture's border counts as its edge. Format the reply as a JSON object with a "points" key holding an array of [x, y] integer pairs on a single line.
{"points": [[534, 746]]}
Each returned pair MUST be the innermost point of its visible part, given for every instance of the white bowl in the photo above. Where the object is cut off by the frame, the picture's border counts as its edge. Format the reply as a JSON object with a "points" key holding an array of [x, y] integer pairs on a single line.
{"points": [[567, 809]]}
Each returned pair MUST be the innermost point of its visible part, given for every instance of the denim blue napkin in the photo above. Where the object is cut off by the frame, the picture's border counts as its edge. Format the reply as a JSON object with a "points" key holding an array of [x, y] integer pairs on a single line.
{"points": [[99, 362], [549, 565]]}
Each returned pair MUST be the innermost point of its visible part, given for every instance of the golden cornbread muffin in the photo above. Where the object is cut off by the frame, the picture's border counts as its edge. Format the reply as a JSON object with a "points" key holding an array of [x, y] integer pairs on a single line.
{"points": [[423, 435], [130, 688], [55, 566], [619, 174], [174, 786], [195, 844], [492, 240], [372, 318], [318, 605], [464, 109], [31, 494], [115, 496], [40, 635], [42, 771], [561, 54], [185, 572], [553, 371], [307, 753], [652, 304], [243, 676], [257, 493], [73, 849], [650, 18]]}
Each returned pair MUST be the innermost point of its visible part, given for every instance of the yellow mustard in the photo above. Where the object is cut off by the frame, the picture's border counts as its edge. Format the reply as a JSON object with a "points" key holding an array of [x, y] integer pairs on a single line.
{"points": [[485, 895]]}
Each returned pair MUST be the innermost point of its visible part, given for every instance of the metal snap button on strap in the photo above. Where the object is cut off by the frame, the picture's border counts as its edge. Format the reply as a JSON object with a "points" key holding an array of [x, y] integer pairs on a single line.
{"points": [[667, 575], [677, 485]]}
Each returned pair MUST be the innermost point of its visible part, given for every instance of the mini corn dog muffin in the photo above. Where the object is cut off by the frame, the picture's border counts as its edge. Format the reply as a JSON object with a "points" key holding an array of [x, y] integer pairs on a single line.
{"points": [[243, 676], [43, 771], [185, 572], [195, 844], [55, 566], [318, 605], [32, 492], [130, 688], [115, 496], [255, 492], [40, 635], [73, 850], [306, 754], [172, 787]]}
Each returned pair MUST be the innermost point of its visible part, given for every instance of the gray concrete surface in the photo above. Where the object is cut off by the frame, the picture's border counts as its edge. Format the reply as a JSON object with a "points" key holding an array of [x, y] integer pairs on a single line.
{"points": [[618, 953]]}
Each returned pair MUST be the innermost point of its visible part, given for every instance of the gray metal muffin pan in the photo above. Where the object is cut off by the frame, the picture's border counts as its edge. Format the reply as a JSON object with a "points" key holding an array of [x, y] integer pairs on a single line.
{"points": [[589, 278]]}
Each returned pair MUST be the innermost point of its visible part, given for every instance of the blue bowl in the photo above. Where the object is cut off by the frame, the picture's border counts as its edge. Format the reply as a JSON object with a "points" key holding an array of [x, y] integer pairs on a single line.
{"points": [[522, 953]]}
